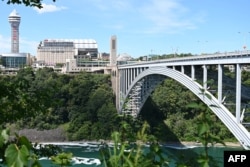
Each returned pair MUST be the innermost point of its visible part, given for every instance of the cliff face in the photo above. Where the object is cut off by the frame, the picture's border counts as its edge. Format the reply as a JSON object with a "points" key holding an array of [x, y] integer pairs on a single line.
{"points": [[54, 135]]}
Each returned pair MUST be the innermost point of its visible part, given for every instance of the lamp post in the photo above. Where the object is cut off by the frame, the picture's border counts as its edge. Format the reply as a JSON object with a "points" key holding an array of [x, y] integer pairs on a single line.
{"points": [[245, 39], [175, 50], [202, 44]]}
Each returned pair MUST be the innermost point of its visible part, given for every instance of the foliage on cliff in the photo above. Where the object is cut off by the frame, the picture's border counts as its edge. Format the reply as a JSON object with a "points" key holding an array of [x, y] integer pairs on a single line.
{"points": [[44, 99]]}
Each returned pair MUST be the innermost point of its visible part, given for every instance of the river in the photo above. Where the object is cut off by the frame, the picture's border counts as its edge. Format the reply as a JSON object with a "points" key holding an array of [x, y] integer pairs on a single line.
{"points": [[86, 154]]}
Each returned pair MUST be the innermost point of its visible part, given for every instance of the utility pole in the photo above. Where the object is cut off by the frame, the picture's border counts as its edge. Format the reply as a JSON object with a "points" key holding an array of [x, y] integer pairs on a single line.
{"points": [[245, 39]]}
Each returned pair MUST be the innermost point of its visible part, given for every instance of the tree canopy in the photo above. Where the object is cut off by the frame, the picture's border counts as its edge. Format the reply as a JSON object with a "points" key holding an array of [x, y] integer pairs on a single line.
{"points": [[31, 3]]}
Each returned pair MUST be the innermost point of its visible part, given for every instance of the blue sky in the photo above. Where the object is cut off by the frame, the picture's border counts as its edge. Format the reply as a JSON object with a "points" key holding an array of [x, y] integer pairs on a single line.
{"points": [[142, 27]]}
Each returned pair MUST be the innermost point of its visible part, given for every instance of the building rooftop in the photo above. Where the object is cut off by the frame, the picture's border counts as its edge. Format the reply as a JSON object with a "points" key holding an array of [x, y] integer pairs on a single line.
{"points": [[78, 43], [124, 57], [14, 54], [14, 14]]}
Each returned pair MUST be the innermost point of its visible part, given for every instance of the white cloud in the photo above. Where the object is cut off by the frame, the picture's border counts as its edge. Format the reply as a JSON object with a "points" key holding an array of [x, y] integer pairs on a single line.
{"points": [[4, 44], [167, 16], [111, 4], [115, 26], [121, 4], [28, 46], [49, 8], [149, 16]]}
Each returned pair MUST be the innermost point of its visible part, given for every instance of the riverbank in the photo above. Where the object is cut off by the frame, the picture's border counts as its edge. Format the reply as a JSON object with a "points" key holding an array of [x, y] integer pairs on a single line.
{"points": [[188, 143], [58, 135], [40, 136]]}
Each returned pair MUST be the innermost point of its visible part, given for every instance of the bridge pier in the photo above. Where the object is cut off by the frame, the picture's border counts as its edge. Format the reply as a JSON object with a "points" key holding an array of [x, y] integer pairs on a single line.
{"points": [[204, 77], [183, 69], [238, 92], [193, 72], [220, 72]]}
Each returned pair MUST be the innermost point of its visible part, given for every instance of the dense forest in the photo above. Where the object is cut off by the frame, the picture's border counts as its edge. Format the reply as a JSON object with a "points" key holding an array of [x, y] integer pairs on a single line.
{"points": [[83, 104]]}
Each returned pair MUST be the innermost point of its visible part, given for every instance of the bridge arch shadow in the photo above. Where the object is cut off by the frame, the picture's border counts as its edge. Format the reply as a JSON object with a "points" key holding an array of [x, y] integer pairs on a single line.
{"points": [[238, 130]]}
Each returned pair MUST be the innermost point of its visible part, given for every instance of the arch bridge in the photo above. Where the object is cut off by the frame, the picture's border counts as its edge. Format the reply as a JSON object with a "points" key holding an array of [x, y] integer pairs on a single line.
{"points": [[136, 81]]}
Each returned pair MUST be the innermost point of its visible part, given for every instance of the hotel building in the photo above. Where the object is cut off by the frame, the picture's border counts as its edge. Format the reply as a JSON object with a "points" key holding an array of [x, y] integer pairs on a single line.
{"points": [[57, 51]]}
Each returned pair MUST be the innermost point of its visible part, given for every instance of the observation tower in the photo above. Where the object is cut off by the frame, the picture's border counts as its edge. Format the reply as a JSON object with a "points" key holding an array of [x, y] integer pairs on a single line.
{"points": [[14, 20]]}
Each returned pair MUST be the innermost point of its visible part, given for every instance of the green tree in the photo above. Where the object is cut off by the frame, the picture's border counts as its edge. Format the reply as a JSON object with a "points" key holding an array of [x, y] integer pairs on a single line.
{"points": [[136, 157], [44, 89], [245, 77], [31, 3], [171, 97], [62, 159], [20, 98], [92, 111], [107, 120]]}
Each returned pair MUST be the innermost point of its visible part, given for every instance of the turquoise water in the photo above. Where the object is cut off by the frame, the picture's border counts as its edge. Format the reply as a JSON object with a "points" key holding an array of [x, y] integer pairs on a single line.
{"points": [[87, 154]]}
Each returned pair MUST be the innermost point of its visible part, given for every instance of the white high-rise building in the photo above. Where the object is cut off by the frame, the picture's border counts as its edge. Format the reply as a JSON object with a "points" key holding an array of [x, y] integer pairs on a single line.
{"points": [[14, 20]]}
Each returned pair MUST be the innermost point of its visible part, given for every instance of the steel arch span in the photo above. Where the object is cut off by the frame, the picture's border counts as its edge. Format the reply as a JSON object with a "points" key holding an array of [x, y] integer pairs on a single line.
{"points": [[237, 129]]}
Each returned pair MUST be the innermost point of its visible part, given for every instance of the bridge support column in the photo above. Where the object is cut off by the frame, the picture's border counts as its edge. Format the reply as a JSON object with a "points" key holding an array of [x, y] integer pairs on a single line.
{"points": [[119, 94], [182, 69], [138, 71], [134, 73], [130, 75], [193, 72], [126, 80], [220, 72], [122, 83], [205, 77], [238, 92]]}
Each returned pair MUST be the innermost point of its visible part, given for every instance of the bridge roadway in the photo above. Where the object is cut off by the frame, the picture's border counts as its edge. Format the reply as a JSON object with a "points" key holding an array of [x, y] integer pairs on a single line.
{"points": [[136, 81]]}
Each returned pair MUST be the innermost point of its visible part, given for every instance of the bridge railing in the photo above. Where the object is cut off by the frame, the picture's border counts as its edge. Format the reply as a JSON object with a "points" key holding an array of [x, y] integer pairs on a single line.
{"points": [[200, 58]]}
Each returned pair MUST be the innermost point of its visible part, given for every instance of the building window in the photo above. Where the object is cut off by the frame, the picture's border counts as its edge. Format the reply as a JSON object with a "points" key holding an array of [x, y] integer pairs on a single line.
{"points": [[14, 62]]}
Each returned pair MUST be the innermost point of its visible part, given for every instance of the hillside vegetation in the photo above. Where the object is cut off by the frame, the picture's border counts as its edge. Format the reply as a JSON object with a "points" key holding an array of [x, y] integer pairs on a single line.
{"points": [[84, 102]]}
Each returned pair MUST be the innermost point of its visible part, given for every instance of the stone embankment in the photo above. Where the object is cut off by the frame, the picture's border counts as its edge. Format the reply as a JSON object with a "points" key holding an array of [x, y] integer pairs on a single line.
{"points": [[59, 135], [53, 135]]}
